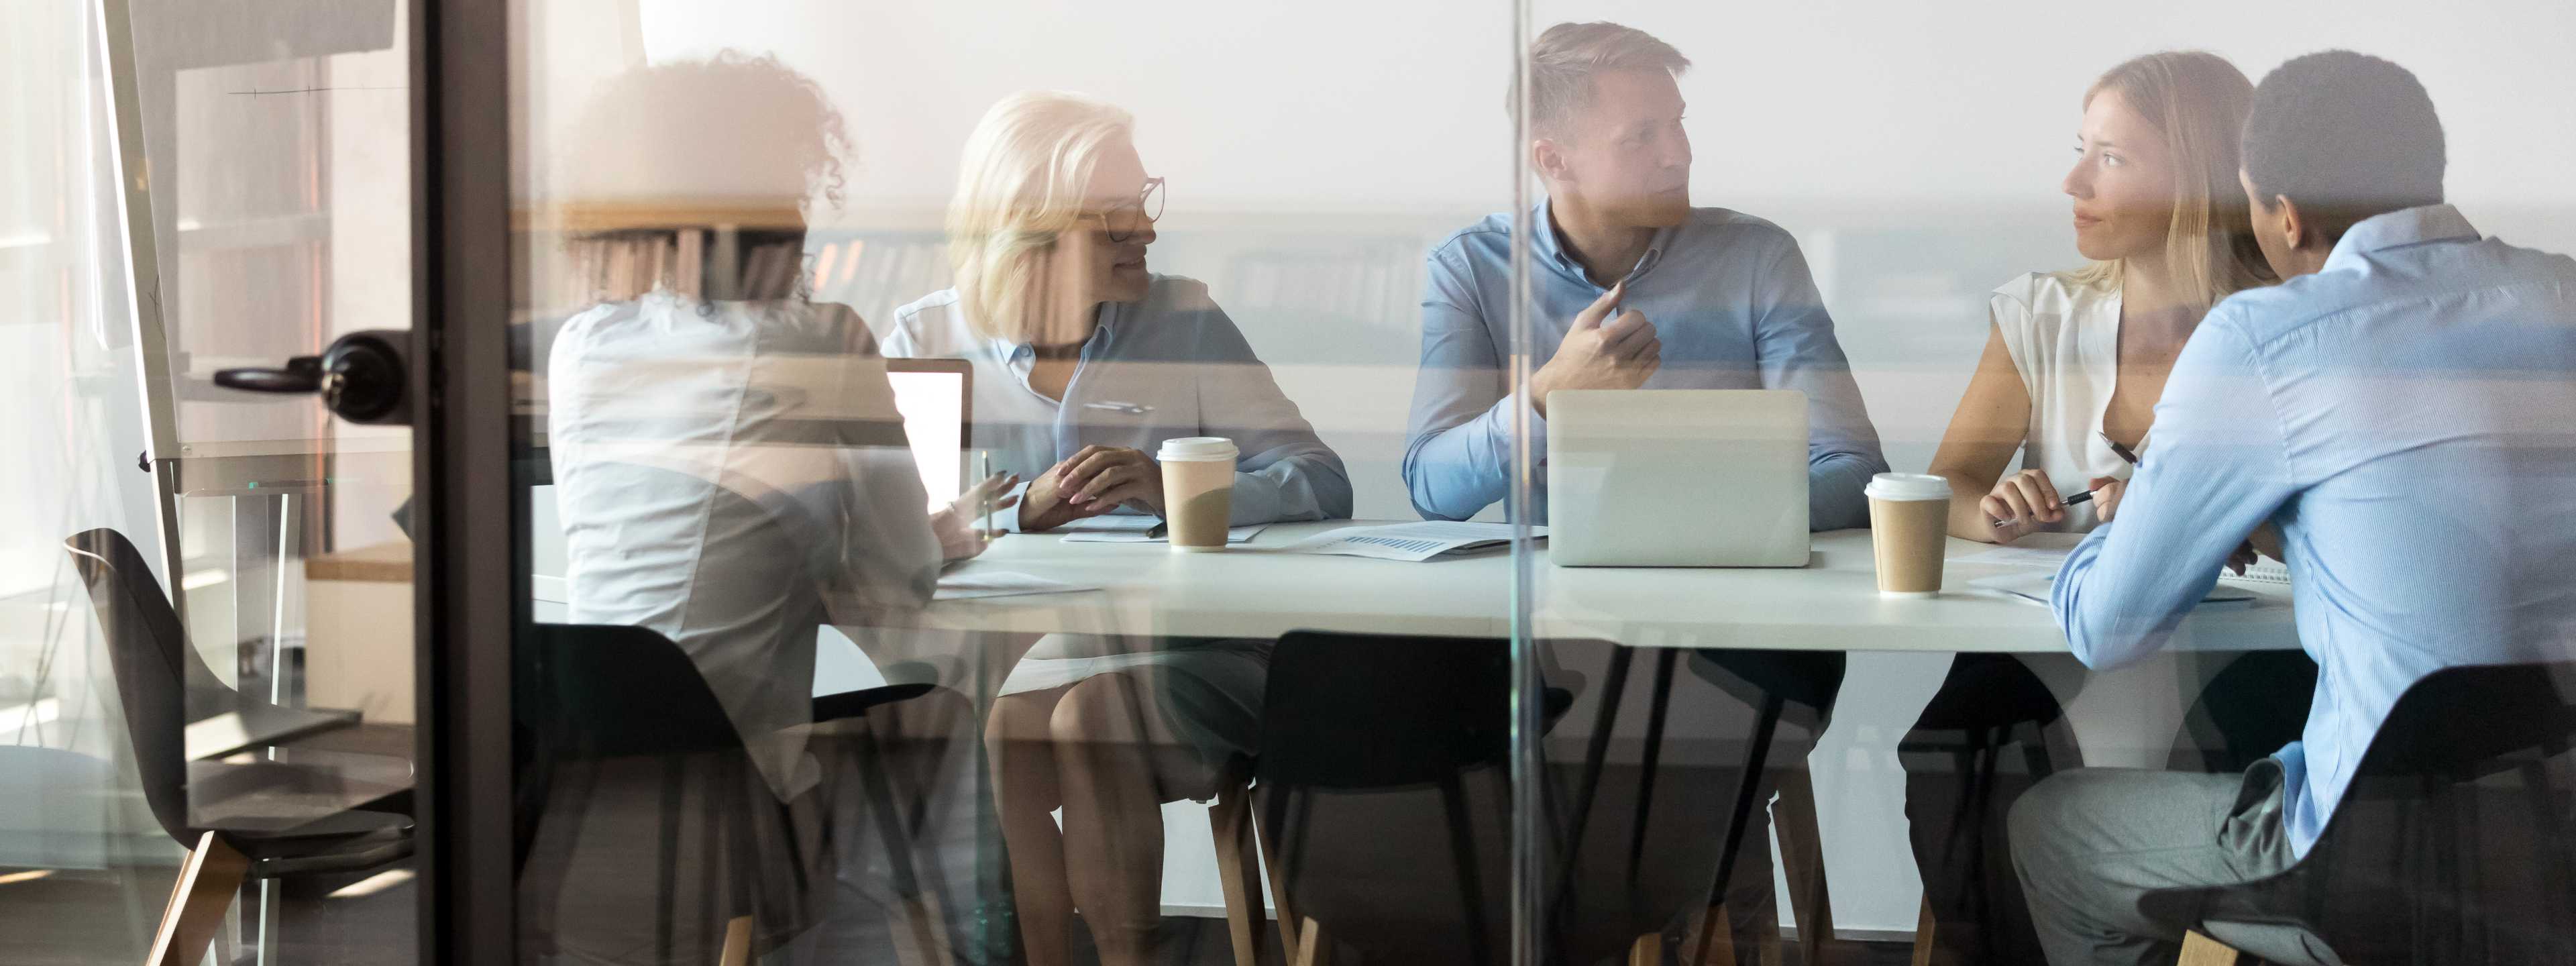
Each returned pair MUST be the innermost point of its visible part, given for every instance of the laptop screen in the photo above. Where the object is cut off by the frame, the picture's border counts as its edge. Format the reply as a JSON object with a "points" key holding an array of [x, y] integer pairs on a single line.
{"points": [[933, 404]]}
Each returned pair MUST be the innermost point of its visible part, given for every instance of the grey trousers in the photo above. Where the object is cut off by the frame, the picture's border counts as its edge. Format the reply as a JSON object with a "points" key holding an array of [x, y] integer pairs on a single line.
{"points": [[2091, 843]]}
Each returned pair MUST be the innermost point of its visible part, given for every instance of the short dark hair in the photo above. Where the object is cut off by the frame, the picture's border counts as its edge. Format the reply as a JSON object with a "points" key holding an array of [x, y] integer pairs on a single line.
{"points": [[2344, 136]]}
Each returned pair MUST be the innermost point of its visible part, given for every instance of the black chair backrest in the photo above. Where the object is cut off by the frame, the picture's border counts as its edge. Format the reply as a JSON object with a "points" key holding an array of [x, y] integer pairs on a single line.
{"points": [[1354, 711], [160, 680], [2455, 842], [2463, 723], [596, 691]]}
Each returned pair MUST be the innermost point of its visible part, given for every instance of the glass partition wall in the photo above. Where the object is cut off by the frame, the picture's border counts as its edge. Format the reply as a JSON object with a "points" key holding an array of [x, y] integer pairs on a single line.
{"points": [[944, 447], [941, 435], [1789, 708], [1029, 483]]}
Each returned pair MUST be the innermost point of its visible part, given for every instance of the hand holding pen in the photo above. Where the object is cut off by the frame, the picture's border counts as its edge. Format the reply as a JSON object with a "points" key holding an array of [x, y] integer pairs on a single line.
{"points": [[2030, 496], [2027, 497]]}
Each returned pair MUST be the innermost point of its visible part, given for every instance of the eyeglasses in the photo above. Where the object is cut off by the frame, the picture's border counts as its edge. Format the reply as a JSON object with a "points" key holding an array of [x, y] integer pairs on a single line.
{"points": [[1131, 218]]}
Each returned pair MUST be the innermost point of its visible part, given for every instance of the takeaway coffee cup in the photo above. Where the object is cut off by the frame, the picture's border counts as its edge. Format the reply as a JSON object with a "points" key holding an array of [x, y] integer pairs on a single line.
{"points": [[1909, 525], [1198, 490]]}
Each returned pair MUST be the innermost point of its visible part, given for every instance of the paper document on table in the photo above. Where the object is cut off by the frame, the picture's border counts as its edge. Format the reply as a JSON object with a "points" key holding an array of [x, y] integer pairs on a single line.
{"points": [[2032, 588], [1413, 542], [1243, 534], [971, 584]]}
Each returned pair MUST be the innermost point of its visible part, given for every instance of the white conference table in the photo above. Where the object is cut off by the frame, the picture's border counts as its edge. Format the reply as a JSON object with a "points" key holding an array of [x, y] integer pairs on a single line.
{"points": [[2120, 718], [1258, 590]]}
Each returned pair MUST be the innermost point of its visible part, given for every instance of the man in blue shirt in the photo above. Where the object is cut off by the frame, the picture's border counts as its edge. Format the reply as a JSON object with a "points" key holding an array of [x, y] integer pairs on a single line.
{"points": [[2396, 409], [1632, 287]]}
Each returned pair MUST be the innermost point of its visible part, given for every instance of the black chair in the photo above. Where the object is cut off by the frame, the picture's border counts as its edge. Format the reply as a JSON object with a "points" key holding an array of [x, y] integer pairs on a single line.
{"points": [[1384, 772], [1792, 688], [621, 709], [2454, 843], [239, 821], [1956, 754]]}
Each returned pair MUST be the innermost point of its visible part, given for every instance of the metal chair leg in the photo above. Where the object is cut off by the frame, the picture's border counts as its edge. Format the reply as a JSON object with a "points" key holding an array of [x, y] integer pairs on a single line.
{"points": [[1656, 712], [1462, 847], [1715, 929]]}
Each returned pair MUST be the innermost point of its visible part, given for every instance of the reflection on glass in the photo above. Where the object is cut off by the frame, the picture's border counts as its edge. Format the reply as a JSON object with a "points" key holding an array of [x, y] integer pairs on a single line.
{"points": [[730, 474], [1106, 387], [920, 504]]}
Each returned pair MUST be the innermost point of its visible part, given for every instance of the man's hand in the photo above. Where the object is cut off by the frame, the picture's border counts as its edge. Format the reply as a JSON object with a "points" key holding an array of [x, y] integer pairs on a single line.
{"points": [[1102, 478], [959, 525], [1618, 353], [1046, 504]]}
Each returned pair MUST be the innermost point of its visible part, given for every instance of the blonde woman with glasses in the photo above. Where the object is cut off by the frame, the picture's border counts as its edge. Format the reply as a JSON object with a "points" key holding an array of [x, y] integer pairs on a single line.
{"points": [[2073, 365], [1085, 362]]}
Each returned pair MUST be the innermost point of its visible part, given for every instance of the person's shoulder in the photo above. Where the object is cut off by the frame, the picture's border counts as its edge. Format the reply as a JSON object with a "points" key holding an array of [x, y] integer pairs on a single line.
{"points": [[1176, 296], [928, 326], [1489, 236], [2062, 293], [2264, 313], [1739, 231]]}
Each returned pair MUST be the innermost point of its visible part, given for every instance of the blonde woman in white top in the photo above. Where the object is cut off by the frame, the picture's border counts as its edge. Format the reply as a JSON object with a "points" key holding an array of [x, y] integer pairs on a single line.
{"points": [[2074, 363], [2076, 359]]}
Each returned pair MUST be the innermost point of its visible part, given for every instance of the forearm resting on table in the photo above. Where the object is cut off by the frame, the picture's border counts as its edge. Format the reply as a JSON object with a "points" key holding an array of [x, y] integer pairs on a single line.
{"points": [[1968, 519]]}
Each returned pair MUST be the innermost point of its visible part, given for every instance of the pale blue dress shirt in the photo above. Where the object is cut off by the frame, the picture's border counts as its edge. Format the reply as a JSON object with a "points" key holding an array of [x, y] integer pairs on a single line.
{"points": [[2403, 417], [1169, 365], [1729, 295]]}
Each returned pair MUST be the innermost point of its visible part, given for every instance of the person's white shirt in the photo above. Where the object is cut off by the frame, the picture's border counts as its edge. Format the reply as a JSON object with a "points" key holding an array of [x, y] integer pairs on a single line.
{"points": [[2064, 339], [733, 475]]}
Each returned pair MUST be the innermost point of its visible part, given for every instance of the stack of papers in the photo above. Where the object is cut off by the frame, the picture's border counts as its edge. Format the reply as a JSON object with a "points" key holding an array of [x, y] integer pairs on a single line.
{"points": [[1412, 542]]}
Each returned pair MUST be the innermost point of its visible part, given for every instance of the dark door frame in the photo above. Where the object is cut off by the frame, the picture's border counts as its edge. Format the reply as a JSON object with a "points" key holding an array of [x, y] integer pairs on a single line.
{"points": [[466, 599]]}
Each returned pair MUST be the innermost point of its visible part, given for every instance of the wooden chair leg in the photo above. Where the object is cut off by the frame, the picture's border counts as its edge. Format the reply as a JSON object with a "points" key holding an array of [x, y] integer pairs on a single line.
{"points": [[1648, 950], [1802, 856], [1924, 935], [2200, 950], [737, 943], [1278, 875], [922, 938], [208, 878], [1716, 938], [1313, 947], [1238, 870]]}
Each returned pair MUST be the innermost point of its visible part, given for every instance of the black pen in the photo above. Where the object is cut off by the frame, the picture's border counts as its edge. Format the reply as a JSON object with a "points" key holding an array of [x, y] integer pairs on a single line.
{"points": [[2084, 497], [2125, 454], [2126, 457]]}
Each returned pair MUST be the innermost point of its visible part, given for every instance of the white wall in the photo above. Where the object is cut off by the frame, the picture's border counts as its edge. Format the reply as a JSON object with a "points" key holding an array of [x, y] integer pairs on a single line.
{"points": [[1316, 150]]}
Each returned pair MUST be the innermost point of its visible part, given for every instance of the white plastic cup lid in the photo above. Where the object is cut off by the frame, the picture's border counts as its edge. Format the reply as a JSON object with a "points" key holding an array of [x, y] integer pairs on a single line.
{"points": [[1908, 486], [1191, 448]]}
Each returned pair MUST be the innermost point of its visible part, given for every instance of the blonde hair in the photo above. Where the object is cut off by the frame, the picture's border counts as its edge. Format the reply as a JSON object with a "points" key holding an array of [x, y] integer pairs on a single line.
{"points": [[2197, 100], [1021, 186], [1563, 60]]}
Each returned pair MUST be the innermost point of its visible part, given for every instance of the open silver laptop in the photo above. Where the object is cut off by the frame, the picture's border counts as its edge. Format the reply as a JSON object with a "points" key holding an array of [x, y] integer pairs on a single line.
{"points": [[1677, 478]]}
